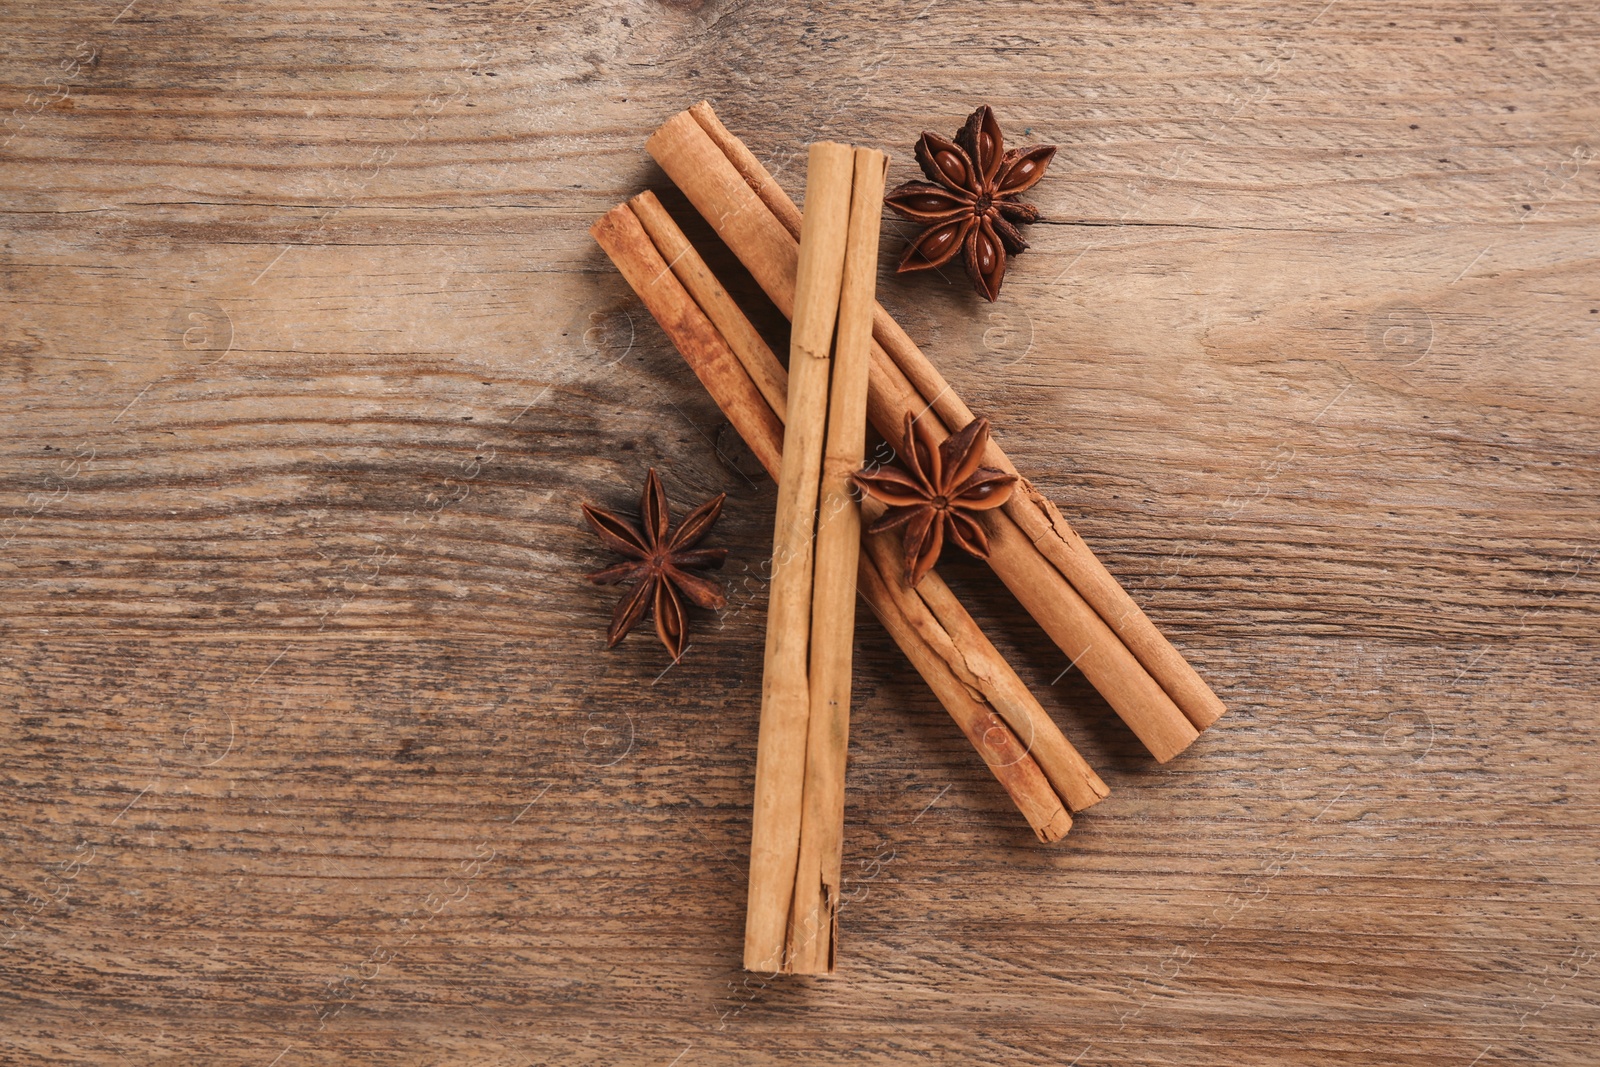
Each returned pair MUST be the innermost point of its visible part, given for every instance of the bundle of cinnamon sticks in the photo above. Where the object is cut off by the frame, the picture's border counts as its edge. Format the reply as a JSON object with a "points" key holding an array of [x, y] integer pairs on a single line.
{"points": [[1032, 548]]}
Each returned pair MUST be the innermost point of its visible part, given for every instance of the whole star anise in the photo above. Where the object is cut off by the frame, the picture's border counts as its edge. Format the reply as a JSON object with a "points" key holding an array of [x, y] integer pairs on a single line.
{"points": [[932, 498], [661, 562], [971, 209]]}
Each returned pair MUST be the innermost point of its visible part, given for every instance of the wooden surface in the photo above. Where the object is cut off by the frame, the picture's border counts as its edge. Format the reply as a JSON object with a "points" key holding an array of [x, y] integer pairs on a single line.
{"points": [[312, 753]]}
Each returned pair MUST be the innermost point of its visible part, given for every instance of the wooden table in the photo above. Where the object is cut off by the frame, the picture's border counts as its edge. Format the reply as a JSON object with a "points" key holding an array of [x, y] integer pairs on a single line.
{"points": [[312, 752]]}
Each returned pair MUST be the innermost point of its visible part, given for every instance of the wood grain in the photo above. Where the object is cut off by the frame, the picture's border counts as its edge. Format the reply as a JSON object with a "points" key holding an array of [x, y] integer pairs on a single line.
{"points": [[312, 753]]}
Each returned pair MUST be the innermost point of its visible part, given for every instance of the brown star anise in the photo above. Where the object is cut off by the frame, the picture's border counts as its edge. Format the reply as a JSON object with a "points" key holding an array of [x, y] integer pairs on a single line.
{"points": [[661, 562], [972, 208], [933, 497]]}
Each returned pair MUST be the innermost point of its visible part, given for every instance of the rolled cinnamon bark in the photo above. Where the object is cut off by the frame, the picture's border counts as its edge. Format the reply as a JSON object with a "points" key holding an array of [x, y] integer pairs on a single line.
{"points": [[781, 755], [985, 680], [813, 925]]}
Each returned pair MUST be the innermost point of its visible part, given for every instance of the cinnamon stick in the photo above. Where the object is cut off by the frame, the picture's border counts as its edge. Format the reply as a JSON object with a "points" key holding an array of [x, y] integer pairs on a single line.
{"points": [[971, 697], [731, 189], [785, 687], [813, 928]]}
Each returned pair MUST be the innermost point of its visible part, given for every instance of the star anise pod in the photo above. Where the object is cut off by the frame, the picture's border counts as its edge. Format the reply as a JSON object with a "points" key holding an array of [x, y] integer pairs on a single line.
{"points": [[661, 561], [934, 496], [972, 208]]}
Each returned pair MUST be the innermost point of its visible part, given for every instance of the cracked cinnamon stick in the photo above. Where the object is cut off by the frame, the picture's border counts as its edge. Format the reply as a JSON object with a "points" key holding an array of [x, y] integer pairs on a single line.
{"points": [[1033, 550], [786, 704], [813, 923], [976, 686]]}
